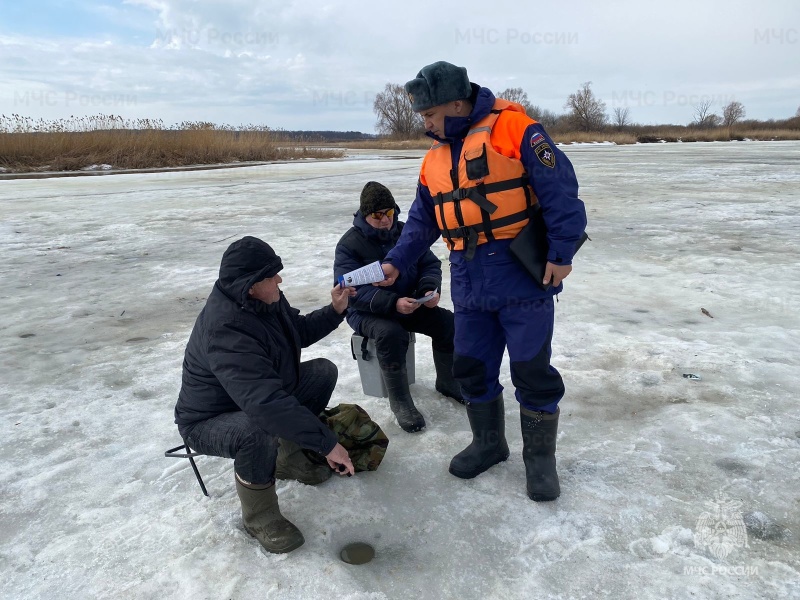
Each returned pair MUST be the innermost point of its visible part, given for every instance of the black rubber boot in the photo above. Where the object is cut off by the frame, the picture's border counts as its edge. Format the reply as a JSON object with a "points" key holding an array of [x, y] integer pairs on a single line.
{"points": [[488, 446], [400, 400], [263, 519], [293, 464], [539, 431], [446, 384]]}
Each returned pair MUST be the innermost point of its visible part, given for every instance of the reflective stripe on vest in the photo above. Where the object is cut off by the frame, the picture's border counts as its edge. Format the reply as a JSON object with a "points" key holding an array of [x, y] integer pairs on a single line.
{"points": [[490, 196]]}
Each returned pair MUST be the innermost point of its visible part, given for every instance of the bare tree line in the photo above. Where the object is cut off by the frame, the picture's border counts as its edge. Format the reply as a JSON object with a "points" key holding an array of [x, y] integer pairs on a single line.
{"points": [[585, 112]]}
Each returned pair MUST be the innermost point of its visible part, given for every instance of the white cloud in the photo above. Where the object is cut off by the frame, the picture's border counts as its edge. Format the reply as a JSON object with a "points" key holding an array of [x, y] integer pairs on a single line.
{"points": [[320, 64]]}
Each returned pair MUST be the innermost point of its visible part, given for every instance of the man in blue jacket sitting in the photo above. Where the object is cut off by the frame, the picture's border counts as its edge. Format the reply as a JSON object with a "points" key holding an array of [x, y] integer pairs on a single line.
{"points": [[387, 314]]}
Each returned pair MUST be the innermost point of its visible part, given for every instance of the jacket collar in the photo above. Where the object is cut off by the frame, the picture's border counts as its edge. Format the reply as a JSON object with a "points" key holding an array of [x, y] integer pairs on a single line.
{"points": [[456, 128]]}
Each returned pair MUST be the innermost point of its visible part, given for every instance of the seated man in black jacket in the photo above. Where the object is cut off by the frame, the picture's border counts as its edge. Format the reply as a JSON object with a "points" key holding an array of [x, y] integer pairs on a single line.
{"points": [[387, 314], [245, 391]]}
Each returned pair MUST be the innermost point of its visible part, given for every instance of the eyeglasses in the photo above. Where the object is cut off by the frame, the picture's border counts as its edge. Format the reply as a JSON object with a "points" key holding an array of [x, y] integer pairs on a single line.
{"points": [[379, 214]]}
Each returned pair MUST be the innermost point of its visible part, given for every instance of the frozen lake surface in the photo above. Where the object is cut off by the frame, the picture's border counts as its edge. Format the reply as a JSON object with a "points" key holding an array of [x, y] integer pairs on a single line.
{"points": [[102, 278]]}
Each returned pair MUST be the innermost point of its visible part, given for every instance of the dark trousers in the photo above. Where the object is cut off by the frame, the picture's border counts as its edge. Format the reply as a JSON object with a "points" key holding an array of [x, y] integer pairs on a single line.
{"points": [[253, 450], [391, 334]]}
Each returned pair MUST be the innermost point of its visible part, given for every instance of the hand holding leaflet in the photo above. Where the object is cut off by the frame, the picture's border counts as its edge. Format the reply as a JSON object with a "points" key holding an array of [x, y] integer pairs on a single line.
{"points": [[370, 273], [424, 299]]}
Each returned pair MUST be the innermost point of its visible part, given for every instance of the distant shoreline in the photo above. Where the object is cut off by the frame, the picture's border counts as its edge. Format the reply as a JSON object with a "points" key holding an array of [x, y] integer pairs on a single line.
{"points": [[385, 146], [10, 176], [665, 135], [6, 176]]}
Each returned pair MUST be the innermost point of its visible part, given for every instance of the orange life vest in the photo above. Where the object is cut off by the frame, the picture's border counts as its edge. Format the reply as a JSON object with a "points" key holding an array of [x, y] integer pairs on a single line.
{"points": [[491, 196]]}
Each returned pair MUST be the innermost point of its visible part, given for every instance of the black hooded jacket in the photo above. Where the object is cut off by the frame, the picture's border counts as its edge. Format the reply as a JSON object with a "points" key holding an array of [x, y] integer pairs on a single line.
{"points": [[244, 354]]}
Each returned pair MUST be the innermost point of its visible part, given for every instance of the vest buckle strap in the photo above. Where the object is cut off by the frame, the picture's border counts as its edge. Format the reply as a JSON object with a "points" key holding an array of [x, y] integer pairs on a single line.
{"points": [[470, 243], [470, 193], [459, 194], [470, 237], [481, 200]]}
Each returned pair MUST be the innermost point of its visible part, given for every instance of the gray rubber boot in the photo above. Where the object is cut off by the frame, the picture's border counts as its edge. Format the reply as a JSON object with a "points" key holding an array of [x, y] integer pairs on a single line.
{"points": [[446, 384], [293, 464], [400, 400], [488, 446], [539, 431], [263, 519]]}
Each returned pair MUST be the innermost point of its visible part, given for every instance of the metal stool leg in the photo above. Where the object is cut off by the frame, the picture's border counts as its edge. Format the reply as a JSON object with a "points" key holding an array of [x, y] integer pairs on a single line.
{"points": [[197, 474], [174, 453]]}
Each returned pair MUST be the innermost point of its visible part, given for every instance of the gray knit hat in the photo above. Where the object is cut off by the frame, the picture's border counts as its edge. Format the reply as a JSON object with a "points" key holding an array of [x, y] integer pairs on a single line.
{"points": [[437, 84]]}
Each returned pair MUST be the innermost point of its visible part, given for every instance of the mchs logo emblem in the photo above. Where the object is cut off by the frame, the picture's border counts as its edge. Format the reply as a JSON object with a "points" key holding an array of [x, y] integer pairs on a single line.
{"points": [[722, 528], [546, 155]]}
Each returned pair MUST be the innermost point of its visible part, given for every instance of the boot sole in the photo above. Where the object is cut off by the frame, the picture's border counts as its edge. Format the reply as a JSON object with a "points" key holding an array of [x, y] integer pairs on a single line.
{"points": [[447, 395], [473, 475], [285, 550], [278, 549], [543, 497], [412, 430], [288, 477]]}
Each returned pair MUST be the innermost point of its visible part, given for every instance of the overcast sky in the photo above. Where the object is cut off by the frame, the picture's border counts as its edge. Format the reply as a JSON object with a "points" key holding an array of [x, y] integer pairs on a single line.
{"points": [[318, 65]]}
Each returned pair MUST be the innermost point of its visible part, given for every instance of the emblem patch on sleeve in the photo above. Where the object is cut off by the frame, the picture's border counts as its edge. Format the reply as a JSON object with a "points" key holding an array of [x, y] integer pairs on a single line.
{"points": [[536, 138], [546, 155]]}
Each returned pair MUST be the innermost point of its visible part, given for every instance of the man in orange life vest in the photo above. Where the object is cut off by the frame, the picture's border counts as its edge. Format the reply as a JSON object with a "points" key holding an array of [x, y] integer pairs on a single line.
{"points": [[489, 163]]}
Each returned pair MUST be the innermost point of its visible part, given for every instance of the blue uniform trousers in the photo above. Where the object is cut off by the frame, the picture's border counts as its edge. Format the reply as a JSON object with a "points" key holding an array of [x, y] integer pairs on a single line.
{"points": [[498, 306]]}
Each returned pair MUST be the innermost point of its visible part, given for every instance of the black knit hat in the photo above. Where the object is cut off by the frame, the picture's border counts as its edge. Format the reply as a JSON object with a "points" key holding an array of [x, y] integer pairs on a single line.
{"points": [[438, 83], [374, 197]]}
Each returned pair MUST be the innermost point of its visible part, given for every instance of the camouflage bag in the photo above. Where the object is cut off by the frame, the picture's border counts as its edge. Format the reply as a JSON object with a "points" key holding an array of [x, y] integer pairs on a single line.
{"points": [[362, 437]]}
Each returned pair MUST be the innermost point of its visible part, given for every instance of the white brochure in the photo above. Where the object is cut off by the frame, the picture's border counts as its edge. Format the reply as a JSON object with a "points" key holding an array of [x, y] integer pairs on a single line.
{"points": [[368, 274]]}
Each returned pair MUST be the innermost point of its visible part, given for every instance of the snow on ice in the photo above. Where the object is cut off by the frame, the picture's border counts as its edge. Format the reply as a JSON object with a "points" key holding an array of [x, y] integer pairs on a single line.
{"points": [[672, 487]]}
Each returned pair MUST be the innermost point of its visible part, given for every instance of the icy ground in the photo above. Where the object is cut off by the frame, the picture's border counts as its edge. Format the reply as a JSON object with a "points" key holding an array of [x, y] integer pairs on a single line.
{"points": [[101, 280]]}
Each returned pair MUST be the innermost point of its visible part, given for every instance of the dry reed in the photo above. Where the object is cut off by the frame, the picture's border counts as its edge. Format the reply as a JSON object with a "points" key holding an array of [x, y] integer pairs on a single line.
{"points": [[591, 136], [78, 143]]}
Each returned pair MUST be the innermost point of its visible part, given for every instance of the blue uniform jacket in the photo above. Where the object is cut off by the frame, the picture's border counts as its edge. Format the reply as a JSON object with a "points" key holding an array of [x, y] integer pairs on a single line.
{"points": [[557, 190]]}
